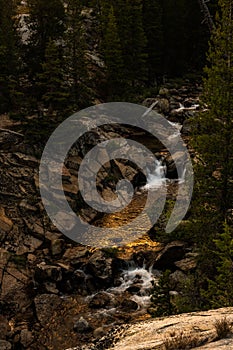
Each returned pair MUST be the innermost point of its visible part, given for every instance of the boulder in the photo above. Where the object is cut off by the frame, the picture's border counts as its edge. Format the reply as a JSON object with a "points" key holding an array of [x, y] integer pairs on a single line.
{"points": [[26, 338], [82, 326], [187, 264], [166, 259], [129, 305], [163, 91], [5, 345], [45, 272], [163, 106], [153, 333], [76, 254], [100, 300], [4, 327], [57, 246], [177, 279], [100, 267], [180, 158], [99, 332], [187, 127]]}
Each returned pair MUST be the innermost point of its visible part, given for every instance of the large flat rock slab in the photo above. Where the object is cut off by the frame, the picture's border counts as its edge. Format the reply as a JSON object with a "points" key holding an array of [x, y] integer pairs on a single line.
{"points": [[153, 333]]}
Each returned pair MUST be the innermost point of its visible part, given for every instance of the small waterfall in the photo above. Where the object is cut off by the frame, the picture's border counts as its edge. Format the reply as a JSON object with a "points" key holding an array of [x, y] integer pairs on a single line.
{"points": [[156, 176], [139, 279]]}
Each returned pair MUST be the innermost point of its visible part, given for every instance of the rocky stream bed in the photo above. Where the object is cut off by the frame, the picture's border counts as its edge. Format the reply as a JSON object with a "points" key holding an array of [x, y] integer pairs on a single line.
{"points": [[55, 293]]}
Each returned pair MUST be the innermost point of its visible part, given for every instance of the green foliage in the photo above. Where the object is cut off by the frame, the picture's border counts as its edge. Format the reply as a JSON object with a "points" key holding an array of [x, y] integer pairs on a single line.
{"points": [[111, 252], [51, 79], [189, 298], [9, 58], [75, 58], [113, 58], [212, 139], [154, 31], [46, 22], [161, 304], [140, 42], [220, 292]]}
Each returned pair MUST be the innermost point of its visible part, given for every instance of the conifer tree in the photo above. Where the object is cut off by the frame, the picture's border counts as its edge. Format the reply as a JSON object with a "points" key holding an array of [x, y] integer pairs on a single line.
{"points": [[76, 62], [214, 133], [51, 80], [152, 18], [161, 298], [113, 58], [129, 16], [46, 21], [213, 129], [9, 57], [220, 291]]}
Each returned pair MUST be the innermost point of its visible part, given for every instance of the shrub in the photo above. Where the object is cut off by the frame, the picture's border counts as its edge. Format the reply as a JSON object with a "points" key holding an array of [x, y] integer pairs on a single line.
{"points": [[223, 328], [182, 341]]}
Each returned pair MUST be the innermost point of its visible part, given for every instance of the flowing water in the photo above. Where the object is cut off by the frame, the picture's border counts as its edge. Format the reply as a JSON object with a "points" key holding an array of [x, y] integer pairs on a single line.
{"points": [[142, 278]]}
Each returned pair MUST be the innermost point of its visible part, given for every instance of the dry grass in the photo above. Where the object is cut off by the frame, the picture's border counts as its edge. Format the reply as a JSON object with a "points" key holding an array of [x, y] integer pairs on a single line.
{"points": [[182, 341], [223, 328]]}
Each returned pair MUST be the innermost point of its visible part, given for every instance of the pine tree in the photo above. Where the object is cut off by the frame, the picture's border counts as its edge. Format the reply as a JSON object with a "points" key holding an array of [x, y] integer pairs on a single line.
{"points": [[152, 17], [213, 138], [75, 55], [51, 80], [175, 36], [212, 202], [46, 21], [161, 298], [113, 58], [220, 291], [129, 16], [9, 57]]}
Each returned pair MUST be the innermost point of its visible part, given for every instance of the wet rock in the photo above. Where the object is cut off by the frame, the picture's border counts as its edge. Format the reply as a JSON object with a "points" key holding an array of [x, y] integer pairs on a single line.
{"points": [[139, 180], [5, 345], [166, 259], [135, 288], [187, 127], [46, 305], [129, 305], [100, 300], [179, 158], [82, 326]]}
